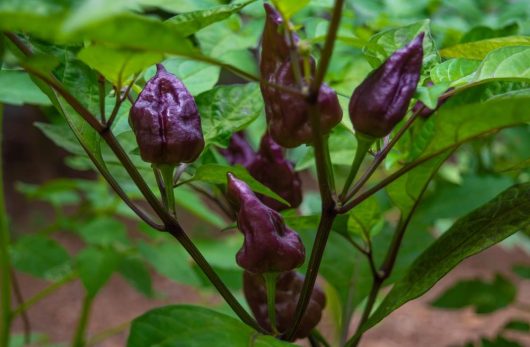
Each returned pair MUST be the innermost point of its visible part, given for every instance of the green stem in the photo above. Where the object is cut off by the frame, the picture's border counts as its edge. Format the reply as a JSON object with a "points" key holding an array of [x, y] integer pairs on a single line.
{"points": [[5, 277], [270, 284], [167, 177], [363, 146], [80, 331]]}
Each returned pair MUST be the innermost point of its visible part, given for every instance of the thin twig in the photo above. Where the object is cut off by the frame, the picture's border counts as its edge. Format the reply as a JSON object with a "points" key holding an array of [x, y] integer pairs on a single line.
{"points": [[120, 98], [20, 300], [101, 85]]}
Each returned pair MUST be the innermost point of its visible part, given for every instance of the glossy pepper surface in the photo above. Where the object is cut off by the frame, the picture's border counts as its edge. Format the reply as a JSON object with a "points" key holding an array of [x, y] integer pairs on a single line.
{"points": [[382, 99], [166, 121], [271, 168], [269, 245], [288, 288], [288, 113]]}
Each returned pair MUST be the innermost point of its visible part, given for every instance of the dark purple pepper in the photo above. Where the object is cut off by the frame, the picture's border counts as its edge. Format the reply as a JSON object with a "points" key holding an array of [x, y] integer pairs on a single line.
{"points": [[238, 151], [287, 113], [273, 170], [166, 121], [288, 288], [269, 246], [426, 112], [382, 99]]}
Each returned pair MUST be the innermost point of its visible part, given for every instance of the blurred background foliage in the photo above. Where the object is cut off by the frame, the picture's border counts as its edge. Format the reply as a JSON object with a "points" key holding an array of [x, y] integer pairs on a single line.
{"points": [[127, 37]]}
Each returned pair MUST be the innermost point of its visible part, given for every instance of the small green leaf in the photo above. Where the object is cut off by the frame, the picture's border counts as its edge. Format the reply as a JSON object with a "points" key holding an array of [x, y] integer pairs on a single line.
{"points": [[104, 231], [216, 174], [289, 7], [522, 271], [227, 109], [365, 219], [41, 257], [137, 274], [456, 72], [481, 229], [95, 267], [194, 326], [485, 297], [477, 50], [191, 22], [170, 259], [430, 95], [17, 88]]}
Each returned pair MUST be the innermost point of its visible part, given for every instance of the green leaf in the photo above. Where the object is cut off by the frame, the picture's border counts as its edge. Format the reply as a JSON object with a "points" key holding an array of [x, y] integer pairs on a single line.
{"points": [[62, 136], [197, 77], [499, 341], [17, 88], [430, 95], [95, 267], [522, 271], [365, 219], [483, 32], [383, 44], [191, 22], [103, 231], [137, 274], [290, 7], [117, 65], [216, 174], [517, 325], [57, 192], [181, 5], [483, 296], [508, 63], [479, 230], [456, 72], [194, 326], [41, 257], [170, 259], [477, 50], [227, 109]]}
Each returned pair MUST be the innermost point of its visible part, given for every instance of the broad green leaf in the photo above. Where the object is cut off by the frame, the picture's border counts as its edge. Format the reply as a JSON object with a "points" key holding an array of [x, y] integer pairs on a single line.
{"points": [[17, 88], [191, 22], [216, 174], [382, 45], [477, 50], [104, 231], [194, 326], [229, 35], [95, 267], [92, 11], [117, 65], [365, 219], [290, 7], [456, 72], [227, 109], [484, 297], [181, 5], [137, 274], [62, 136], [453, 126], [197, 77], [483, 32], [41, 257], [479, 230], [508, 63], [169, 259]]}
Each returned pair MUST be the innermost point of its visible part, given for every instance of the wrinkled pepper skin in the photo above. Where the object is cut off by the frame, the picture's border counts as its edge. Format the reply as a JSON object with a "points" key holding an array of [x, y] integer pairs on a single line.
{"points": [[288, 114], [382, 99], [288, 288], [166, 121], [273, 170], [269, 246], [238, 151]]}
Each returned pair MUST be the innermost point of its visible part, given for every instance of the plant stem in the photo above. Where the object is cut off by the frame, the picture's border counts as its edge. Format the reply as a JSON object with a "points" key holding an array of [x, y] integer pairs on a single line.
{"points": [[101, 336], [323, 165], [80, 331], [270, 285], [20, 299], [363, 145], [5, 276], [167, 178], [42, 294]]}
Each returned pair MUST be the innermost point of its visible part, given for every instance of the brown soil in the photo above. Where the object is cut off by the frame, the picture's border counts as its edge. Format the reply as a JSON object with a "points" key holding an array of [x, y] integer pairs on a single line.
{"points": [[30, 157]]}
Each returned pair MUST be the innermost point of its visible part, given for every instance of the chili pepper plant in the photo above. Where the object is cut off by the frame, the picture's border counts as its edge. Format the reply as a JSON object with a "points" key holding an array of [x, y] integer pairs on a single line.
{"points": [[312, 135]]}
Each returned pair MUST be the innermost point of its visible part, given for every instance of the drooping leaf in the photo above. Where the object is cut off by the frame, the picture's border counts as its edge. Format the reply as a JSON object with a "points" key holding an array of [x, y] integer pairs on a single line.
{"points": [[477, 50], [95, 267], [16, 88], [137, 274], [194, 326], [484, 297], [41, 257], [481, 229]]}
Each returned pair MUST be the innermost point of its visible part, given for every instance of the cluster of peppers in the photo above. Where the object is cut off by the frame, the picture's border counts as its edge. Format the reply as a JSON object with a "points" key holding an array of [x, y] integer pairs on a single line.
{"points": [[167, 125]]}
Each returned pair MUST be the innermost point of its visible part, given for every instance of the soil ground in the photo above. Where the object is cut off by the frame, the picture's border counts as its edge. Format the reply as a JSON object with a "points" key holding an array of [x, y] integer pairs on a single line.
{"points": [[29, 157]]}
